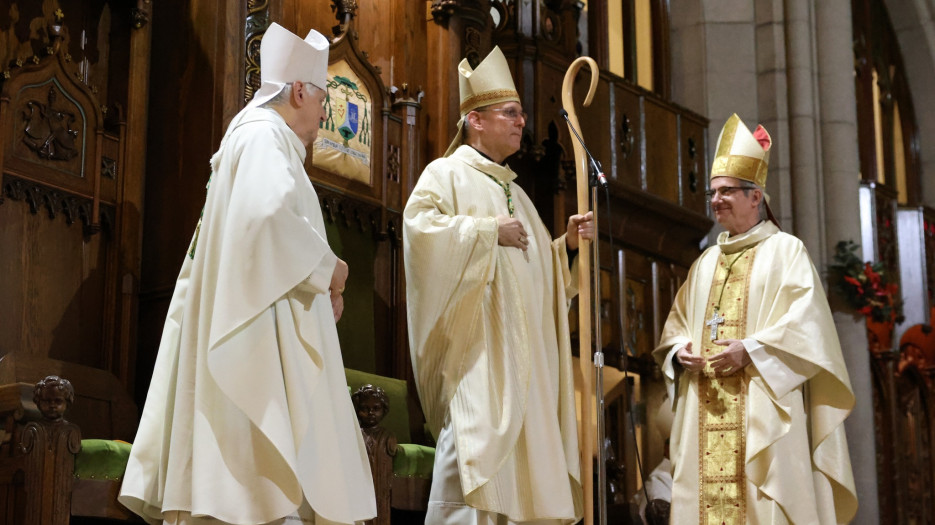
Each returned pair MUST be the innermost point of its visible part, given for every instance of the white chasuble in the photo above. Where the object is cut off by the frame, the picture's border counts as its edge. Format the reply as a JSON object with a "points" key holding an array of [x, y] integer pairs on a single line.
{"points": [[488, 333], [248, 417], [795, 395]]}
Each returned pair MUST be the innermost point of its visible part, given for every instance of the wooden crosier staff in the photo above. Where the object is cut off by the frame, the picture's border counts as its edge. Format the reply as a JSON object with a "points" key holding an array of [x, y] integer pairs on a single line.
{"points": [[586, 443]]}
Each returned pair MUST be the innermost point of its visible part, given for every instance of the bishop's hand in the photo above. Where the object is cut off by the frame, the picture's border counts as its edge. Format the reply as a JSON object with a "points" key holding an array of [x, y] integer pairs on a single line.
{"points": [[691, 362], [511, 233], [732, 360], [579, 226], [338, 280]]}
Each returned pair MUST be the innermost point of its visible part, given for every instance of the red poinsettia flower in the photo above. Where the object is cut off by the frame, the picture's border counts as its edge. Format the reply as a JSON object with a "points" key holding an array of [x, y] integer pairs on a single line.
{"points": [[864, 285]]}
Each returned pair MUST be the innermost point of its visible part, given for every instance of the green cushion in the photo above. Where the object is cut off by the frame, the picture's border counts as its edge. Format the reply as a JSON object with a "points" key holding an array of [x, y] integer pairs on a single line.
{"points": [[102, 459], [397, 420], [413, 461]]}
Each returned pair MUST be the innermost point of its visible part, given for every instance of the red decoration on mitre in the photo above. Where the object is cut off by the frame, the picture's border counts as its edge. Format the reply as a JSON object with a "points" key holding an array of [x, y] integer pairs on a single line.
{"points": [[762, 136]]}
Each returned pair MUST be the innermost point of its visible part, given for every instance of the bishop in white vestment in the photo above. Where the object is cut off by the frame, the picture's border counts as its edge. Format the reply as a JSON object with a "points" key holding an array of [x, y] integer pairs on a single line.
{"points": [[487, 294], [248, 419]]}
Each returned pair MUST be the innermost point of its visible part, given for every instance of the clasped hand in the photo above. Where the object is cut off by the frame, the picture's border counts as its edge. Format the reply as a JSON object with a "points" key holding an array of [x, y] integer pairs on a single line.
{"points": [[727, 363]]}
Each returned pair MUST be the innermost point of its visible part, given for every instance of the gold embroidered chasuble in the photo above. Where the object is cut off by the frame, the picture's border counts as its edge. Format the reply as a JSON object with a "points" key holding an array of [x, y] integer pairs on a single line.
{"points": [[783, 451]]}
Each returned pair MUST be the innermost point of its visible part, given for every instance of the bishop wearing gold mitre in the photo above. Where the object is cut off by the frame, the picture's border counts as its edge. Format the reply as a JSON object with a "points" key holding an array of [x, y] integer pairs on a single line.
{"points": [[487, 292], [752, 359]]}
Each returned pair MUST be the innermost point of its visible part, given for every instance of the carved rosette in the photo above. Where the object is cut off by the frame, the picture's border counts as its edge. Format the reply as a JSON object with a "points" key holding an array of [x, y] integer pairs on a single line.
{"points": [[256, 26]]}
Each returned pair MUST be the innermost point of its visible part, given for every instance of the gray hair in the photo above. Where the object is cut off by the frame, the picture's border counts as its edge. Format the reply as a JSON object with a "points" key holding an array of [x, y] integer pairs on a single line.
{"points": [[281, 98], [747, 187], [285, 94]]}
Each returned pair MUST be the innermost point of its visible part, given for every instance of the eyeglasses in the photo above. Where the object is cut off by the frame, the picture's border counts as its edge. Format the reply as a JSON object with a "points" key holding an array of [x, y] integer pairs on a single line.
{"points": [[510, 113], [726, 191]]}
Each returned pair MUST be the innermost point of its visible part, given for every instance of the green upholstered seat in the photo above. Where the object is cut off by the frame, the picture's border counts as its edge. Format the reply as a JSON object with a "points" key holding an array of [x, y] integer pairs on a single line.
{"points": [[413, 461], [102, 459]]}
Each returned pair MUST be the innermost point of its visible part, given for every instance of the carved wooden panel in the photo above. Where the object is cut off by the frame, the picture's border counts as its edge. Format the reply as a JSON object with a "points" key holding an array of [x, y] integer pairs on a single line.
{"points": [[662, 166], [627, 136], [694, 169], [668, 280], [70, 104], [595, 120], [915, 454], [903, 423]]}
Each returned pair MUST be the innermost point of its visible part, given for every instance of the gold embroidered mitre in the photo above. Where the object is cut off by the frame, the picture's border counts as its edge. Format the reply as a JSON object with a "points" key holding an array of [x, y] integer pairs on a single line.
{"points": [[741, 154], [489, 83]]}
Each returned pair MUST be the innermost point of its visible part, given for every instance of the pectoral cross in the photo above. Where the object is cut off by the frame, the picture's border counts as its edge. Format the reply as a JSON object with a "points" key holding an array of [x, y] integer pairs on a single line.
{"points": [[714, 322]]}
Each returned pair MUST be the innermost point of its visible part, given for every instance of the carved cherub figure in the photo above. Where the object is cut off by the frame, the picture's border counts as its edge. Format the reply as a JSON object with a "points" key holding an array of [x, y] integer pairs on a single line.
{"points": [[52, 396], [371, 404]]}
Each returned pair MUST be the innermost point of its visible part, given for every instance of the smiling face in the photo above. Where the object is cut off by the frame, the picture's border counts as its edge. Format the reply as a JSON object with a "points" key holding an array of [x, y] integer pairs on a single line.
{"points": [[497, 130], [735, 209]]}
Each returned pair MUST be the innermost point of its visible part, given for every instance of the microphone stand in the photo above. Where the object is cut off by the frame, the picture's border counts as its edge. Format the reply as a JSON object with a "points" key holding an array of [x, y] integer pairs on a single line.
{"points": [[597, 179]]}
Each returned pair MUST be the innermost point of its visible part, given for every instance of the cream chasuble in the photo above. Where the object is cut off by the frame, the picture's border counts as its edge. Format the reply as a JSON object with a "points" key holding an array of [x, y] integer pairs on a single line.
{"points": [[488, 334], [248, 415], [766, 445]]}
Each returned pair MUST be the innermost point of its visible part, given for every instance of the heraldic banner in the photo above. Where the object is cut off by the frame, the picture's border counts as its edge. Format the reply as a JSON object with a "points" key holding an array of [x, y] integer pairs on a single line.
{"points": [[344, 141]]}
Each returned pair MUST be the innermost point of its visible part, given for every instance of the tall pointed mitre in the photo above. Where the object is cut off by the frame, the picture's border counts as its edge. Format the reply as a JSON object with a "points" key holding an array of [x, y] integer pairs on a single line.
{"points": [[286, 58], [490, 83], [742, 154]]}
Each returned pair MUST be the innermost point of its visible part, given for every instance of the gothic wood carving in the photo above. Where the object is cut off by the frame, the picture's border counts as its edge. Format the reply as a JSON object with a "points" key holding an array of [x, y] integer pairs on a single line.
{"points": [[56, 202], [256, 26], [108, 168], [140, 15], [48, 128], [477, 11], [349, 213]]}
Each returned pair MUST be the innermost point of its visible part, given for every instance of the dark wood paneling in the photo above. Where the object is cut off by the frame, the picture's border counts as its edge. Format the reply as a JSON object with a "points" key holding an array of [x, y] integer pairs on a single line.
{"points": [[627, 136], [693, 171], [662, 162]]}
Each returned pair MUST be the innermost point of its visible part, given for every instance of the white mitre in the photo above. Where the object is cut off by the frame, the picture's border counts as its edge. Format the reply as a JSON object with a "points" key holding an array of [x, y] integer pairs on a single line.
{"points": [[286, 58]]}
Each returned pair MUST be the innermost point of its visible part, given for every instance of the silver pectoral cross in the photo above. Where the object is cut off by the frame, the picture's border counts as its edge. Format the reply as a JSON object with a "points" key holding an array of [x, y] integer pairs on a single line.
{"points": [[714, 322]]}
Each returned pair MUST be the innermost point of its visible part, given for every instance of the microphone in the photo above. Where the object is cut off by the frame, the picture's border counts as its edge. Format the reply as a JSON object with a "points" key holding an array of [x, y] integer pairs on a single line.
{"points": [[595, 165]]}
